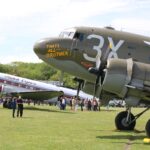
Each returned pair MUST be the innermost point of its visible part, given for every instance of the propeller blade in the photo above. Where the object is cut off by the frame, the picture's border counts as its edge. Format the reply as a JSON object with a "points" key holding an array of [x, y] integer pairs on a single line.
{"points": [[99, 72]]}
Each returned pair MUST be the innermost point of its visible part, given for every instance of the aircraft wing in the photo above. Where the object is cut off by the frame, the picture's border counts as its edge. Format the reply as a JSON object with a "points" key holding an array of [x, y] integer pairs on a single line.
{"points": [[38, 95]]}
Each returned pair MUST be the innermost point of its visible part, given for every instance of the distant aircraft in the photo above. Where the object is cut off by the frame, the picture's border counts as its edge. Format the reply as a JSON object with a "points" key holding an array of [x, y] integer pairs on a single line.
{"points": [[111, 63], [35, 90]]}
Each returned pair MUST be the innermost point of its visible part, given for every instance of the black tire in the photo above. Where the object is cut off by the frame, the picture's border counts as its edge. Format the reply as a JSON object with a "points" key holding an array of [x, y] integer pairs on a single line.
{"points": [[147, 128], [120, 121]]}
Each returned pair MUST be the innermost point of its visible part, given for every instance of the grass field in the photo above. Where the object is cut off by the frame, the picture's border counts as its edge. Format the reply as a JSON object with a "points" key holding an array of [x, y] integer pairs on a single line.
{"points": [[47, 128]]}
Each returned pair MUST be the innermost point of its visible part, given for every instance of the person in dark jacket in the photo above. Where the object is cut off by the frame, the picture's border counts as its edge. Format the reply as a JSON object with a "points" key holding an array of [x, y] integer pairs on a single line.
{"points": [[13, 106], [20, 107], [82, 104]]}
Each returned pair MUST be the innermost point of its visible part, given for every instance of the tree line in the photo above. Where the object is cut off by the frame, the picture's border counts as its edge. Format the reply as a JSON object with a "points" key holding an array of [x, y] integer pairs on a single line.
{"points": [[37, 71]]}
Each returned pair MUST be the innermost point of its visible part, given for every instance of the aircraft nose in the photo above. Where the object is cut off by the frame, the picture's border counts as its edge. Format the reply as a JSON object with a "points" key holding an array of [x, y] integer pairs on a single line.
{"points": [[52, 48], [39, 47]]}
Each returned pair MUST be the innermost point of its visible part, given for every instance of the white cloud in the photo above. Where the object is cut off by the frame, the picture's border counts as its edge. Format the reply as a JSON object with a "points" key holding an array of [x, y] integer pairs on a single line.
{"points": [[2, 40], [74, 13], [17, 8], [140, 26], [47, 16], [25, 21]]}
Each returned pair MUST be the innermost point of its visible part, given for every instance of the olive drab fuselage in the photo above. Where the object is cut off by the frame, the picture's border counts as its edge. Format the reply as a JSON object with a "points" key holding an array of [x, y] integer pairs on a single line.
{"points": [[85, 47]]}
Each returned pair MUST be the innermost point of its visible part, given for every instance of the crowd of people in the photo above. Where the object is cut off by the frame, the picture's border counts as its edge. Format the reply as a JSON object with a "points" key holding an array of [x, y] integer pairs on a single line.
{"points": [[85, 104], [75, 103]]}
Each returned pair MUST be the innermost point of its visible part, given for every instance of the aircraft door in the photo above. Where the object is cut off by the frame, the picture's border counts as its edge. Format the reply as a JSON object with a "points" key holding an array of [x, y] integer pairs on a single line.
{"points": [[76, 43]]}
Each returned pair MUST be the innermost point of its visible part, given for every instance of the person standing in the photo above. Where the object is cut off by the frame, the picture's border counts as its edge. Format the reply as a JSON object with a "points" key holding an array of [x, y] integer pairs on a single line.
{"points": [[20, 107], [76, 103], [94, 105], [89, 105], [99, 105], [13, 106], [73, 103], [82, 104], [63, 103]]}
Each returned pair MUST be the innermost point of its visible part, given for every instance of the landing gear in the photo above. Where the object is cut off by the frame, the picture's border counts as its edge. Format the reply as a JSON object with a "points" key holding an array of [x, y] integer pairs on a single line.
{"points": [[80, 85], [147, 128], [125, 121]]}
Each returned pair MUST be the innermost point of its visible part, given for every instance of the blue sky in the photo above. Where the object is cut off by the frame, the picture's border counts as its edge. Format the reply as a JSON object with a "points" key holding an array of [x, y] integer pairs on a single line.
{"points": [[23, 22]]}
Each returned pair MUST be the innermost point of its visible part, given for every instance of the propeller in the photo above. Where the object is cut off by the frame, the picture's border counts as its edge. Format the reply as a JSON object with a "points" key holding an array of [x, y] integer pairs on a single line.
{"points": [[99, 72], [99, 77], [101, 62]]}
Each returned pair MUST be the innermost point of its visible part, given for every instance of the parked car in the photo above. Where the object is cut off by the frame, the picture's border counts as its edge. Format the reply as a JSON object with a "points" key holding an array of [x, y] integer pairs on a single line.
{"points": [[117, 103]]}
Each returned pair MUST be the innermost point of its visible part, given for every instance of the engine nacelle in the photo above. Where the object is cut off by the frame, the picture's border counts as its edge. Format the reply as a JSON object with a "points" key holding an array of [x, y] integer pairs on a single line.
{"points": [[129, 80]]}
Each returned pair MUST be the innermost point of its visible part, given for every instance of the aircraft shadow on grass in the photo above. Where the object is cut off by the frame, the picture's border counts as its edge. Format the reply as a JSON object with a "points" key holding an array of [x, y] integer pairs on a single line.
{"points": [[27, 117], [128, 137], [109, 110], [47, 110], [135, 137]]}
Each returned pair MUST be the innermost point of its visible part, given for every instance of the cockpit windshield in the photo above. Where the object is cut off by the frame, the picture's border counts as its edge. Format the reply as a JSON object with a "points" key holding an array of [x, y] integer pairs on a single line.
{"points": [[69, 33], [72, 34]]}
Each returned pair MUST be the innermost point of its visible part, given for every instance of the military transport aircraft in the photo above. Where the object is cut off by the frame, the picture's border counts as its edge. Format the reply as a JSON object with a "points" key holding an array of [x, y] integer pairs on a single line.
{"points": [[108, 62], [35, 90]]}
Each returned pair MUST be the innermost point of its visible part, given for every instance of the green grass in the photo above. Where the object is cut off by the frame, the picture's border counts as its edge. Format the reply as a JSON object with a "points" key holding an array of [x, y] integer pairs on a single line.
{"points": [[47, 128]]}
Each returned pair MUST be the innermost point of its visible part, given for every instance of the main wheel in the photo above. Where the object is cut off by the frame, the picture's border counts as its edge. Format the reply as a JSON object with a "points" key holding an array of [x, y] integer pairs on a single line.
{"points": [[147, 128], [122, 124]]}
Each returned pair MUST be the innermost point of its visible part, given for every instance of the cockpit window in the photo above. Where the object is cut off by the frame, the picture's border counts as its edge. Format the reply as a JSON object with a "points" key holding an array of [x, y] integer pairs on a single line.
{"points": [[72, 34], [79, 36], [66, 35], [69, 33]]}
